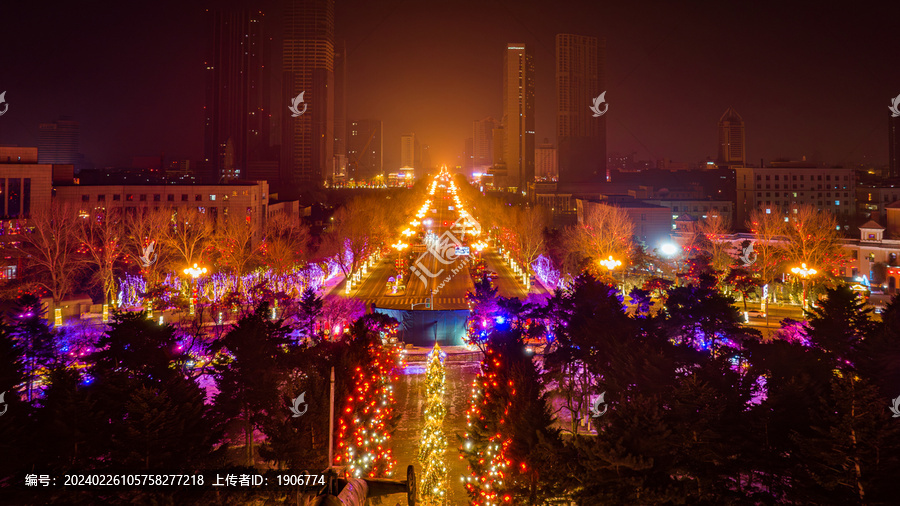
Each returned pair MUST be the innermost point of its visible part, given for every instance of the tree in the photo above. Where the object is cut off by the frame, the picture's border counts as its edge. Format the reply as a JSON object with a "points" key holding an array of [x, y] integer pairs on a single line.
{"points": [[285, 244], [188, 235], [140, 347], [103, 236], [433, 445], [606, 231], [234, 242], [813, 238], [839, 324], [146, 245], [713, 229], [357, 231], [309, 311], [53, 248], [34, 337], [743, 282], [769, 229], [528, 234], [248, 383]]}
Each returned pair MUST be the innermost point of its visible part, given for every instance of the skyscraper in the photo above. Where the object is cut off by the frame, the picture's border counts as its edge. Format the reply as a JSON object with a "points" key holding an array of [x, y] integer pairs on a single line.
{"points": [[518, 115], [408, 151], [545, 168], [483, 144], [731, 140], [340, 98], [308, 66], [581, 137], [58, 141], [237, 111], [893, 146], [365, 150]]}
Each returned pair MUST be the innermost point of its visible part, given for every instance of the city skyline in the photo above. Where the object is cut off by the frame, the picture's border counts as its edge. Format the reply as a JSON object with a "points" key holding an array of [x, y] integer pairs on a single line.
{"points": [[153, 91]]}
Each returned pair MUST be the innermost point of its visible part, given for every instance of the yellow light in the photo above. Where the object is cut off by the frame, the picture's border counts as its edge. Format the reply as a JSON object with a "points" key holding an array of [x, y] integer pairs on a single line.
{"points": [[195, 271], [610, 263]]}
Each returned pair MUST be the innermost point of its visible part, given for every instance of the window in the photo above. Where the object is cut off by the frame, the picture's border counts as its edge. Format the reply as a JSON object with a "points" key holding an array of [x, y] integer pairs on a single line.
{"points": [[768, 194], [768, 187], [837, 202], [795, 177], [143, 197], [643, 217], [776, 177], [767, 178], [198, 198], [157, 197], [871, 237], [101, 198], [117, 197], [674, 208], [759, 178], [85, 198], [170, 197], [26, 196], [184, 197], [828, 178], [820, 177], [768, 211], [212, 198], [129, 197], [759, 194]]}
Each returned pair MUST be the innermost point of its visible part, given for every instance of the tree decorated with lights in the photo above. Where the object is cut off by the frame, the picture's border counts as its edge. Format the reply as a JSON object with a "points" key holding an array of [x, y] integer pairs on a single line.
{"points": [[364, 431], [510, 444], [433, 446]]}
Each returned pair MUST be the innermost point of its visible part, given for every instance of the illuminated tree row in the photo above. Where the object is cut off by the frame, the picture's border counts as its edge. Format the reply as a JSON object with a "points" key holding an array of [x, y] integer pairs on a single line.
{"points": [[433, 446], [364, 430], [486, 442]]}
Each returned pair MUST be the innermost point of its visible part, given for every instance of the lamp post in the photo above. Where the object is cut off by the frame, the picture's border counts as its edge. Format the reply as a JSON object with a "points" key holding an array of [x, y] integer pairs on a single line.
{"points": [[611, 264], [194, 272], [804, 273]]}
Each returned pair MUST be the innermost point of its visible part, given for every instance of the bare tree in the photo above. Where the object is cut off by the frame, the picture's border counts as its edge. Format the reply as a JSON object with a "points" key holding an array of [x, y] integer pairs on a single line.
{"points": [[52, 246], [358, 229], [145, 244], [188, 236], [285, 244], [233, 242], [713, 230], [103, 237], [814, 239], [606, 231], [769, 229], [528, 234]]}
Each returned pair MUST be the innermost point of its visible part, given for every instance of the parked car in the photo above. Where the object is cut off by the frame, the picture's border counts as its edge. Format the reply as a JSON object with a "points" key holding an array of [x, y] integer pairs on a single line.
{"points": [[755, 314]]}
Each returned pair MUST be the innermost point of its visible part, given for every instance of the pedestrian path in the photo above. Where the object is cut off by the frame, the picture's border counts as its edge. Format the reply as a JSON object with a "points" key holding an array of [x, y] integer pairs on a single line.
{"points": [[407, 302]]}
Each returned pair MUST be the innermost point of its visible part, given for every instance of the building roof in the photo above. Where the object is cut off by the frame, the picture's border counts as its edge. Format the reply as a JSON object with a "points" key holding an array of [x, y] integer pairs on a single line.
{"points": [[893, 205], [731, 115], [871, 225]]}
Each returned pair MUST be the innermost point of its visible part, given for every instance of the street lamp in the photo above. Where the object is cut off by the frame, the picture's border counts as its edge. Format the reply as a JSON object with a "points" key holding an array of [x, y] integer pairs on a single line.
{"points": [[194, 272], [400, 246], [804, 273], [611, 264]]}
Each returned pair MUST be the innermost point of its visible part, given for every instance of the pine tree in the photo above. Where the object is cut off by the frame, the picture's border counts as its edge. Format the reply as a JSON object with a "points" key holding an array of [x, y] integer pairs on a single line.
{"points": [[433, 485], [839, 325], [34, 337], [249, 381], [309, 311]]}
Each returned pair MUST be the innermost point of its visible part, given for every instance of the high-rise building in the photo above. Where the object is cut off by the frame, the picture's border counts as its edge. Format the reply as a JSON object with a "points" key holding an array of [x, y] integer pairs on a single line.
{"points": [[731, 140], [408, 151], [518, 116], [545, 163], [893, 146], [581, 137], [469, 154], [307, 141], [483, 144], [365, 150], [58, 142], [237, 114], [340, 98]]}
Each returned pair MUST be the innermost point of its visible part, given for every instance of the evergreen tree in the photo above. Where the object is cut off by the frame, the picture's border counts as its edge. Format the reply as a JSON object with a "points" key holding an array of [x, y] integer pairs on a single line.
{"points": [[34, 337], [839, 325], [249, 381], [433, 484], [140, 347], [309, 310]]}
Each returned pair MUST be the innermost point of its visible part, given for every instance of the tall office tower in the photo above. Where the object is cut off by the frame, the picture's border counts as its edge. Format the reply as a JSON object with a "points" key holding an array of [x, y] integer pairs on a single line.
{"points": [[307, 141], [408, 151], [237, 110], [893, 146], [545, 164], [58, 141], [340, 98], [483, 144], [581, 137], [365, 150], [518, 115], [731, 140]]}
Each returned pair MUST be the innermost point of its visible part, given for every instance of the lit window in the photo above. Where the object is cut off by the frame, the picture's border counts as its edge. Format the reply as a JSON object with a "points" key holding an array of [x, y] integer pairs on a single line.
{"points": [[212, 197]]}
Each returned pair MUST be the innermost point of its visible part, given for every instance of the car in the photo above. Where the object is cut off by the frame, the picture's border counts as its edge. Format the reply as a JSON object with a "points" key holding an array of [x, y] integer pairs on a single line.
{"points": [[491, 274], [755, 314]]}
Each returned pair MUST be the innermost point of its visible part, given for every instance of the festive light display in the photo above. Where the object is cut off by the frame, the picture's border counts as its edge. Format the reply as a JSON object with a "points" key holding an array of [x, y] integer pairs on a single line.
{"points": [[486, 446], [433, 446], [363, 432]]}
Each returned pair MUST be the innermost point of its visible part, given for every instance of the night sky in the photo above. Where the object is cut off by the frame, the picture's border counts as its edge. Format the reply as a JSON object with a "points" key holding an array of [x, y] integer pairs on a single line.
{"points": [[812, 79]]}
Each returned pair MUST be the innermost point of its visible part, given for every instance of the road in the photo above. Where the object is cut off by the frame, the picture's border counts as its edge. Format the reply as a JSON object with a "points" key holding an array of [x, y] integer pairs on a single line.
{"points": [[444, 275], [410, 393]]}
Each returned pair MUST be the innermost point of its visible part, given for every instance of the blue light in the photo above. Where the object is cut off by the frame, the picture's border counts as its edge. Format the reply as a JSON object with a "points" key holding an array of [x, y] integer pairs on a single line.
{"points": [[500, 320]]}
